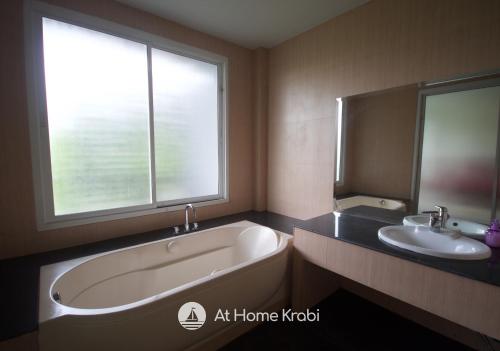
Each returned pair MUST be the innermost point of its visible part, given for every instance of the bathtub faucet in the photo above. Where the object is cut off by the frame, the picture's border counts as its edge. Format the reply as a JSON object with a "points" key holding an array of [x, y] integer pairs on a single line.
{"points": [[186, 212]]}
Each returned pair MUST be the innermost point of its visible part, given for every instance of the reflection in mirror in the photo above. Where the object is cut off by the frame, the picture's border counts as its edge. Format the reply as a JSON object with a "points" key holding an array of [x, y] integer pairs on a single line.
{"points": [[413, 147], [339, 167], [459, 149], [378, 154]]}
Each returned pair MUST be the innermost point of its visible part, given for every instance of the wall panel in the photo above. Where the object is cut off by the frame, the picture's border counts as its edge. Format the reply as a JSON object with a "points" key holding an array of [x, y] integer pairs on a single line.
{"points": [[380, 45], [18, 233]]}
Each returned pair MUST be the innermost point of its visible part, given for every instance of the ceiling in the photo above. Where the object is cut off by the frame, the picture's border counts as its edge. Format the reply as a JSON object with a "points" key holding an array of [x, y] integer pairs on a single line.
{"points": [[249, 23]]}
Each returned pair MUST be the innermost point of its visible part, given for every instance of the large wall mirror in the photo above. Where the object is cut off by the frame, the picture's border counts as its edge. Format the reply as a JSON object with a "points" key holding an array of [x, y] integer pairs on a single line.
{"points": [[413, 147]]}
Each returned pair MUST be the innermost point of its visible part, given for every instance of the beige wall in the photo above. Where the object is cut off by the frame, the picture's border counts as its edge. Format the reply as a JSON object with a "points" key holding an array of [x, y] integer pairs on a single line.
{"points": [[380, 130], [18, 234], [382, 44], [261, 95]]}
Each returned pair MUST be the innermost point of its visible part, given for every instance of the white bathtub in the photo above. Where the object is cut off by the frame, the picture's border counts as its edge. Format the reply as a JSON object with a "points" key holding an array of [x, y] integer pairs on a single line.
{"points": [[360, 200], [129, 299]]}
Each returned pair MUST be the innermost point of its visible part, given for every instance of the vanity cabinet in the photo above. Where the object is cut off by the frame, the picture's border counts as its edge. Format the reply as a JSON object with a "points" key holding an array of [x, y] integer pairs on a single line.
{"points": [[466, 302]]}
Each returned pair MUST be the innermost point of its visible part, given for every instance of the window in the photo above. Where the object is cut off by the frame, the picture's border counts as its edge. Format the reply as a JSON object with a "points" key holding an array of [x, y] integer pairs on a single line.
{"points": [[186, 146], [122, 122], [339, 159]]}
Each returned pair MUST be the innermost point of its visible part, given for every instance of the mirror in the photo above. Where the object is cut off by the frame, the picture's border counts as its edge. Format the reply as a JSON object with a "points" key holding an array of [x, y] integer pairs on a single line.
{"points": [[422, 145], [377, 144]]}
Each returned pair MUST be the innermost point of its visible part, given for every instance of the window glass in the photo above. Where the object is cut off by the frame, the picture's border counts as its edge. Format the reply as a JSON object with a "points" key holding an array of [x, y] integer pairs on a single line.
{"points": [[98, 119], [185, 98]]}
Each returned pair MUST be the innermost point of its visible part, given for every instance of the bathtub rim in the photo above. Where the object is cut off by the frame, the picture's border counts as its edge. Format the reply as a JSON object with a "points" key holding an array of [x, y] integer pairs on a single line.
{"points": [[402, 204], [49, 309]]}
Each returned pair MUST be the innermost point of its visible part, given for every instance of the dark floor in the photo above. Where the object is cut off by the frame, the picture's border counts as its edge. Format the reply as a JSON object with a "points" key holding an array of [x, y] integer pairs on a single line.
{"points": [[347, 322]]}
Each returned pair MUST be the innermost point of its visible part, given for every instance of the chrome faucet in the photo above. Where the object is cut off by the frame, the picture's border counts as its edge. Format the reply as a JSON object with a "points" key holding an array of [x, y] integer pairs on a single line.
{"points": [[186, 223], [438, 219]]}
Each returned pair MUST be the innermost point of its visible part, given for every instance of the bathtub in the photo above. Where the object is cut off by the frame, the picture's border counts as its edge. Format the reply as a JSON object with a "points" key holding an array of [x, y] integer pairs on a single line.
{"points": [[129, 299], [361, 200]]}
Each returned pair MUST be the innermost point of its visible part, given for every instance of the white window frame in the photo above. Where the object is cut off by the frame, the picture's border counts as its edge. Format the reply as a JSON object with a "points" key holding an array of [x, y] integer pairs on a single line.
{"points": [[341, 141], [34, 11]]}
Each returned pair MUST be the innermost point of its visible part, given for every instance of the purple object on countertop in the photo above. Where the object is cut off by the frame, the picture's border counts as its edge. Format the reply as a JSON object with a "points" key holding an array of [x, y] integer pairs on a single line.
{"points": [[492, 236]]}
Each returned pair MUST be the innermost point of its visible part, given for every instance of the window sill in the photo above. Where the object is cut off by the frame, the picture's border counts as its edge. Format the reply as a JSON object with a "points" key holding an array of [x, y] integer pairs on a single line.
{"points": [[56, 224]]}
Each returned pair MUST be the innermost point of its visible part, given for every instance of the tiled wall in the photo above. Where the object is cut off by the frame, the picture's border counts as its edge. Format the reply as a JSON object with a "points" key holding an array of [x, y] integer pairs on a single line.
{"points": [[382, 44], [18, 233], [261, 98]]}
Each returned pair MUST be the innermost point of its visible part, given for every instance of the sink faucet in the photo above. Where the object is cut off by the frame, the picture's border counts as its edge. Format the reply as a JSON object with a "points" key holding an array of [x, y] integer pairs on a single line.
{"points": [[438, 219], [186, 212]]}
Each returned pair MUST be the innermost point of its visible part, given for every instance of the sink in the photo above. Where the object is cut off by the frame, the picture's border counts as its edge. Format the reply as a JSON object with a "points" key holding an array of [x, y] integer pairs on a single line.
{"points": [[421, 239], [468, 228]]}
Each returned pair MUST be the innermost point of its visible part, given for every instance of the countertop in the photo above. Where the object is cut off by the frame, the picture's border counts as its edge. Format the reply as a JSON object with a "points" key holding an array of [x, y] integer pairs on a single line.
{"points": [[358, 226], [355, 227]]}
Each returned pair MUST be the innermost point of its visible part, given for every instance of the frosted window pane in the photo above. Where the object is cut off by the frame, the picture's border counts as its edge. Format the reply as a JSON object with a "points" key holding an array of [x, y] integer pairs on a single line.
{"points": [[459, 152], [97, 102], [186, 126]]}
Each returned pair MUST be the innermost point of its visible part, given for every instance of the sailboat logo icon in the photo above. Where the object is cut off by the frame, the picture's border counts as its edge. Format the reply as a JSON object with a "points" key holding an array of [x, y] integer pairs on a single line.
{"points": [[192, 315]]}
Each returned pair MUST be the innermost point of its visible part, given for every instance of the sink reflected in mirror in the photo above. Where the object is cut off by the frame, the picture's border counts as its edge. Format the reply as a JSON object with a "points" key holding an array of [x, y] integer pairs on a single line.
{"points": [[447, 244]]}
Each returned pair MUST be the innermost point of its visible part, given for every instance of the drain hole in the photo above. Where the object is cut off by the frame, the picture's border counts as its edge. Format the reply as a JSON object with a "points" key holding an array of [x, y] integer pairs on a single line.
{"points": [[56, 296]]}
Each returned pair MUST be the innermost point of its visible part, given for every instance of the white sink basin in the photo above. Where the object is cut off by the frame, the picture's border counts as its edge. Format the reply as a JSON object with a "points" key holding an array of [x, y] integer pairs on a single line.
{"points": [[421, 239], [470, 229]]}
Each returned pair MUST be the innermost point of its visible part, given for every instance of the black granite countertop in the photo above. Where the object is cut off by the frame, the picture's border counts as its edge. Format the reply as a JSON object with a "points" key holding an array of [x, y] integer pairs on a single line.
{"points": [[356, 228], [20, 276]]}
